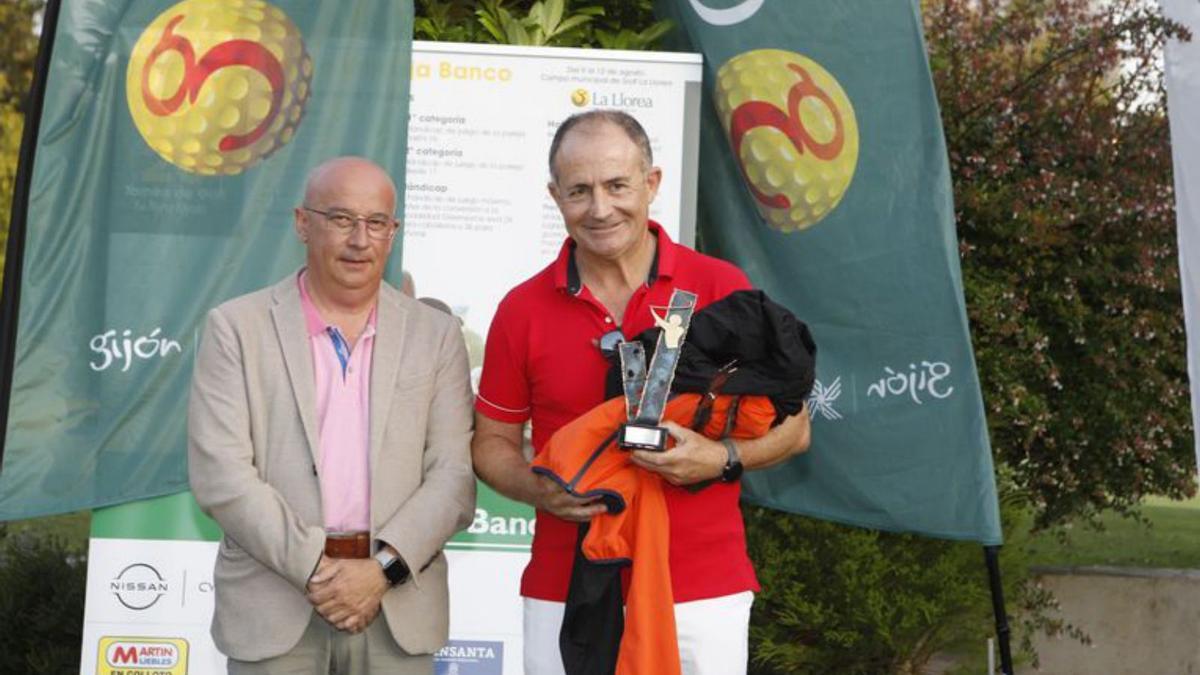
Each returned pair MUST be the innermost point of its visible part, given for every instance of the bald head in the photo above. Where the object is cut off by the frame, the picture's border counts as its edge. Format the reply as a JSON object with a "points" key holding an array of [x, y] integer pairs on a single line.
{"points": [[346, 254], [340, 173]]}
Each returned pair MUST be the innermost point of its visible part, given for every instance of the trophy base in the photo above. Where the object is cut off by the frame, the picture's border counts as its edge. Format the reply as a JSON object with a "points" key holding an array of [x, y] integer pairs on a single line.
{"points": [[642, 437]]}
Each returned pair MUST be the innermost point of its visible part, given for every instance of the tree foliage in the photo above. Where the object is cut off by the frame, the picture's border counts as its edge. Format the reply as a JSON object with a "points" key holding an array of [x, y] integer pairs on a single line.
{"points": [[16, 75], [1060, 155], [42, 588], [20, 50], [846, 600], [610, 24]]}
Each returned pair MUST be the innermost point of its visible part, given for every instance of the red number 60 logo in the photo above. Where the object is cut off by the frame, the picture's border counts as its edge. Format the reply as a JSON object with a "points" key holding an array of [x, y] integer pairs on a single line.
{"points": [[754, 114], [792, 131], [215, 87], [195, 74]]}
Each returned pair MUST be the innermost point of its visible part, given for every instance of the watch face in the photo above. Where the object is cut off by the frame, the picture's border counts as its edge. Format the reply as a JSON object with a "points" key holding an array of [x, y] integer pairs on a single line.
{"points": [[732, 472], [395, 572]]}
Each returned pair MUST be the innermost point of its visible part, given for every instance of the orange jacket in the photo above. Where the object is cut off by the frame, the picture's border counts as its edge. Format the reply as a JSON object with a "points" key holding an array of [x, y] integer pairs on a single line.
{"points": [[583, 457]]}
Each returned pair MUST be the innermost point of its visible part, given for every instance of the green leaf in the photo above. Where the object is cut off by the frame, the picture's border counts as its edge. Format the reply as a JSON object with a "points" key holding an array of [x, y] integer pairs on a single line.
{"points": [[490, 24], [552, 15], [572, 22], [611, 40], [424, 28], [515, 32], [655, 32]]}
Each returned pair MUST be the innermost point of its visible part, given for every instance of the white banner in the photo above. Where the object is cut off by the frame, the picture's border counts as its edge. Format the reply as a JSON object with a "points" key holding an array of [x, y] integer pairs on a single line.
{"points": [[1183, 103], [478, 217], [150, 603]]}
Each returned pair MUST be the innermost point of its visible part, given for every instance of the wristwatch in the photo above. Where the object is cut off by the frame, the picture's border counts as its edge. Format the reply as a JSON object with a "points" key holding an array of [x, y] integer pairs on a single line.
{"points": [[733, 464], [394, 568]]}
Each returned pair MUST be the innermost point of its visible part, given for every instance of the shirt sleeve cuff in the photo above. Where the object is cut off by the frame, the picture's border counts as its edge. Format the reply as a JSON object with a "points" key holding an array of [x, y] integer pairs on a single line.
{"points": [[499, 412]]}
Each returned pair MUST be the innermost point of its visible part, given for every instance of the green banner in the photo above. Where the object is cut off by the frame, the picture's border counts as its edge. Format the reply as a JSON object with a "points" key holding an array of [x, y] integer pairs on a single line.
{"points": [[500, 524], [174, 142], [172, 517], [824, 175]]}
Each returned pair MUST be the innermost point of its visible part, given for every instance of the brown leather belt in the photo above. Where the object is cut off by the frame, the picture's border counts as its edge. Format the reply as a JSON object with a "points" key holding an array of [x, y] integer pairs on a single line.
{"points": [[348, 545]]}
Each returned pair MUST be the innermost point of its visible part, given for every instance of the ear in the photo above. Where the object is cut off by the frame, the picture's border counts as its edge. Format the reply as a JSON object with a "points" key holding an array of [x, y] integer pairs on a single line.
{"points": [[300, 224], [653, 180]]}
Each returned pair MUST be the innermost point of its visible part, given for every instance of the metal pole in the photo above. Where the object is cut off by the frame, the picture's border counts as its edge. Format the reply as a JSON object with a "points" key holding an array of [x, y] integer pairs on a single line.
{"points": [[991, 557]]}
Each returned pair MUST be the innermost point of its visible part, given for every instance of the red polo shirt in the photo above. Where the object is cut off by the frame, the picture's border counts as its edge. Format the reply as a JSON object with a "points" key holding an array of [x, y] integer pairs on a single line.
{"points": [[542, 362]]}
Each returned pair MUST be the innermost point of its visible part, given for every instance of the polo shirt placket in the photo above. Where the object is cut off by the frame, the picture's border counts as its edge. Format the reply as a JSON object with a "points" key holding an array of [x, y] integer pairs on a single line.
{"points": [[342, 382]]}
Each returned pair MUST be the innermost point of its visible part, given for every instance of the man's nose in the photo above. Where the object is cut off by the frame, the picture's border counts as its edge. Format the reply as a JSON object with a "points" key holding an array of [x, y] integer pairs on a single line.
{"points": [[358, 236], [601, 205]]}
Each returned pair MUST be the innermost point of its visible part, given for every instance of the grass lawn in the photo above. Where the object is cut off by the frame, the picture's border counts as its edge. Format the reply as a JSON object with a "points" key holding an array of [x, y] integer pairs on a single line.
{"points": [[1171, 540]]}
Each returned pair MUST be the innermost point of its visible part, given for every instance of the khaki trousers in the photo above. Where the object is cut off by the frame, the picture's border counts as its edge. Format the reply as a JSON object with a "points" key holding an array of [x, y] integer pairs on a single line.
{"points": [[324, 650]]}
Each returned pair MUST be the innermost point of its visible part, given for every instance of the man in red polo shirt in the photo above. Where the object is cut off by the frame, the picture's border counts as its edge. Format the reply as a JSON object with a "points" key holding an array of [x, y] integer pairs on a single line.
{"points": [[546, 362]]}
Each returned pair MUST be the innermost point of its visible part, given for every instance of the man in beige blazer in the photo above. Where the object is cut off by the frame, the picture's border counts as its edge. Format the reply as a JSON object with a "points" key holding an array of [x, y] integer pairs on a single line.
{"points": [[328, 434]]}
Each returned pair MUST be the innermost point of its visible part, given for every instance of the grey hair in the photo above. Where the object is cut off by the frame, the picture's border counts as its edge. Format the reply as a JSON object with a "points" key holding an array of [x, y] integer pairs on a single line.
{"points": [[622, 120]]}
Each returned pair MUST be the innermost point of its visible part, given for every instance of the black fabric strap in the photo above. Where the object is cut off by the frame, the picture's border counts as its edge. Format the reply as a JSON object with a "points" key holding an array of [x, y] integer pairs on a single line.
{"points": [[594, 618]]}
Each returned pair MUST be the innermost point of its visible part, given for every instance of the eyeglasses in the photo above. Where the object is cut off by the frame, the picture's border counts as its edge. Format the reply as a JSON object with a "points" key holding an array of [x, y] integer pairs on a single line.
{"points": [[378, 225]]}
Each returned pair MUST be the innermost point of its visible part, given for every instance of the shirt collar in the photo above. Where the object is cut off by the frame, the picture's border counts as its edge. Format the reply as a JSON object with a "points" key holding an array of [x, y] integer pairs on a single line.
{"points": [[312, 318], [566, 272]]}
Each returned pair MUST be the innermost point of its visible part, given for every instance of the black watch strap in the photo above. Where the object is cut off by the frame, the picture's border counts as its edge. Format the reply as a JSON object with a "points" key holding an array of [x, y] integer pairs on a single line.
{"points": [[733, 461]]}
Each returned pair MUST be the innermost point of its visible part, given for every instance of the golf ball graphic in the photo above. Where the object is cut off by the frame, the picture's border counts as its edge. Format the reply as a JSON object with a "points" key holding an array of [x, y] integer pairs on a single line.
{"points": [[793, 131], [214, 87]]}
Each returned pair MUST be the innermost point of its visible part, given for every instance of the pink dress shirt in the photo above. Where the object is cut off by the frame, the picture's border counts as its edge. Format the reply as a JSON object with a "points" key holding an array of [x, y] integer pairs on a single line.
{"points": [[343, 418]]}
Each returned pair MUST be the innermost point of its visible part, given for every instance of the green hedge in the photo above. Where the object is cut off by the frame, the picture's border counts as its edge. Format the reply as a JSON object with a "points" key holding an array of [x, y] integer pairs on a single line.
{"points": [[838, 599], [42, 584]]}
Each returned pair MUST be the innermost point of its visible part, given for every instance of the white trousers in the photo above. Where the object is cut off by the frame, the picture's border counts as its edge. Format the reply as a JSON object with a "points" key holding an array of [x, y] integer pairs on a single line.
{"points": [[714, 635]]}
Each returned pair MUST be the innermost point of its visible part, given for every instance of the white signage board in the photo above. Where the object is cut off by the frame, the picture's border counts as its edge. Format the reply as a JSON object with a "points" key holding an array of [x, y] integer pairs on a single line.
{"points": [[479, 220], [478, 217], [149, 604]]}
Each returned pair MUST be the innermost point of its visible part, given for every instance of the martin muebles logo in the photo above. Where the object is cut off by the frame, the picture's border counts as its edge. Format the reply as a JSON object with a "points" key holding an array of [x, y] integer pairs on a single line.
{"points": [[142, 656]]}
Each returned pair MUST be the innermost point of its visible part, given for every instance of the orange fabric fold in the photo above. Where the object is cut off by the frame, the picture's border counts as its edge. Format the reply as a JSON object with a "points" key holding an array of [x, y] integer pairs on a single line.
{"points": [[584, 458]]}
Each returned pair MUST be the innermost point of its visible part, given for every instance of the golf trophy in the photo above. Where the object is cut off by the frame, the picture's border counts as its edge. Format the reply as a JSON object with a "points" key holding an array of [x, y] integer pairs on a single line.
{"points": [[646, 389]]}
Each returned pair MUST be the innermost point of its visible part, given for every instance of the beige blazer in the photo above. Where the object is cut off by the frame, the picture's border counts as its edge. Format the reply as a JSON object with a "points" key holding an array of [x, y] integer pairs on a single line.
{"points": [[252, 458]]}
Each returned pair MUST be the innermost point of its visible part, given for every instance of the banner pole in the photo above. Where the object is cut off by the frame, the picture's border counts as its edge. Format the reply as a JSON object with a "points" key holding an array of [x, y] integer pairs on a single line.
{"points": [[15, 251], [991, 557]]}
